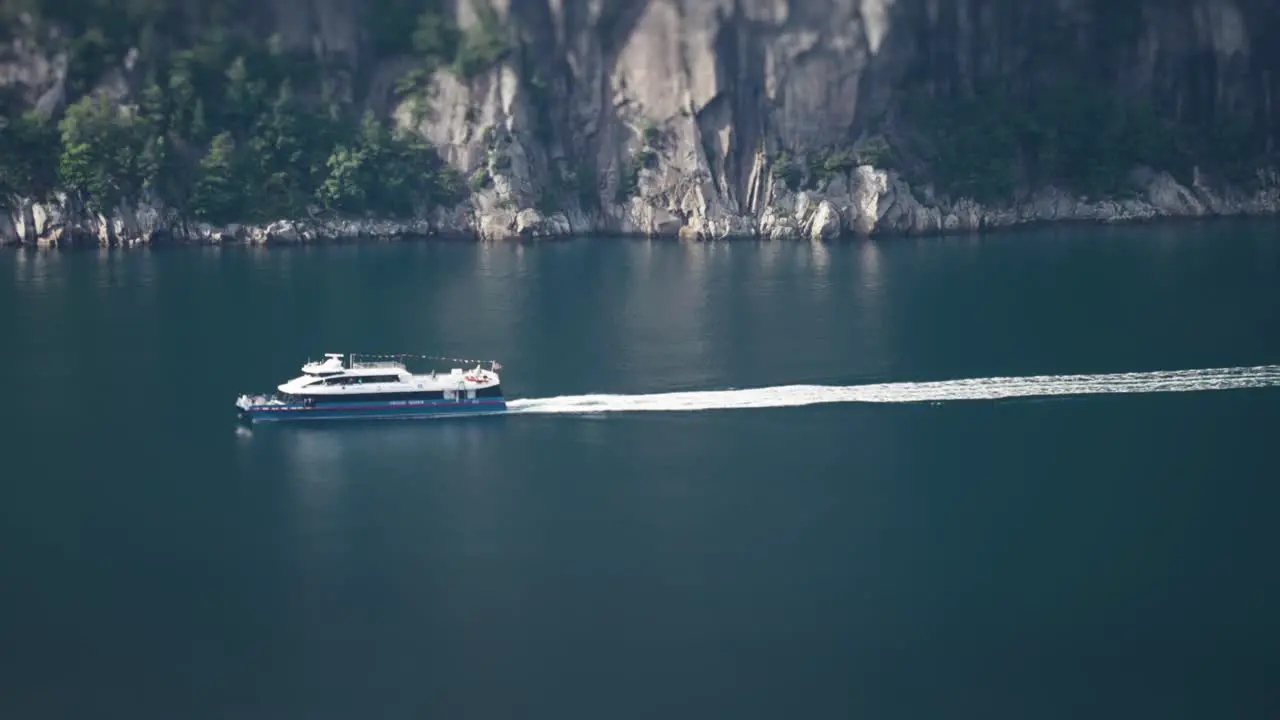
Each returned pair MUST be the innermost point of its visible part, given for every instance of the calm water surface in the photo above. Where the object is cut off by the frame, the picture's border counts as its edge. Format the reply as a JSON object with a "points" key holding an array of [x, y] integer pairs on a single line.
{"points": [[1100, 556]]}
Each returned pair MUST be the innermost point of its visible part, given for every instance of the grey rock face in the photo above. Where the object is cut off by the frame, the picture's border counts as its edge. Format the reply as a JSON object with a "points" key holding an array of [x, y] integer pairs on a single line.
{"points": [[671, 116]]}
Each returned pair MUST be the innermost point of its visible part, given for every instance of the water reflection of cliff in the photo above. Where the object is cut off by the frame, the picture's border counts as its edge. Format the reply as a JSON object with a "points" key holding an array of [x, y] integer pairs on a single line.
{"points": [[663, 315]]}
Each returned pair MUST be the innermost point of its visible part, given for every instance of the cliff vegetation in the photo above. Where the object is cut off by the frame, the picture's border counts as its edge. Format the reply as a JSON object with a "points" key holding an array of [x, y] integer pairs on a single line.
{"points": [[217, 130]]}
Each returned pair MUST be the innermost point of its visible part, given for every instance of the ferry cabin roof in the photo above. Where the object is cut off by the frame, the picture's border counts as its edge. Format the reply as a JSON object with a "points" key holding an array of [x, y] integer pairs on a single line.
{"points": [[389, 374]]}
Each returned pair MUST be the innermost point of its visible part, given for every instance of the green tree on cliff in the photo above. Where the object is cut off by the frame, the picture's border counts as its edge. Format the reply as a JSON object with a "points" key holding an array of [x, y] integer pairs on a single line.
{"points": [[385, 174], [218, 195], [228, 127], [352, 170], [28, 157], [104, 159], [344, 188], [281, 167]]}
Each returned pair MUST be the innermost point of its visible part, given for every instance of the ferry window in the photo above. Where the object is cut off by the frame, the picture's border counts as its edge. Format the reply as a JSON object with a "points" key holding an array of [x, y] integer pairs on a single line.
{"points": [[361, 379]]}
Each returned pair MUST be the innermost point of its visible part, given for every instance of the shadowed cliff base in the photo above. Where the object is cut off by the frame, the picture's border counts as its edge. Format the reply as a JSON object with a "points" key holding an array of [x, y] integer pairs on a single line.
{"points": [[710, 119]]}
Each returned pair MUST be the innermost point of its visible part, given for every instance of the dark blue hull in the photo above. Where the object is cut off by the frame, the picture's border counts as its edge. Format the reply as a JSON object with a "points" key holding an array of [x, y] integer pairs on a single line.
{"points": [[389, 410]]}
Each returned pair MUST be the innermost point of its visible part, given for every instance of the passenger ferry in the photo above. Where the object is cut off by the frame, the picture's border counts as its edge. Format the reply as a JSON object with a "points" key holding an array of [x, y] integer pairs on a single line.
{"points": [[380, 388]]}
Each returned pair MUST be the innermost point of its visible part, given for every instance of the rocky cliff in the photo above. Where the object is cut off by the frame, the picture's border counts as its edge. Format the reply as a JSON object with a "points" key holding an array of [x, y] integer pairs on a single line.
{"points": [[704, 118]]}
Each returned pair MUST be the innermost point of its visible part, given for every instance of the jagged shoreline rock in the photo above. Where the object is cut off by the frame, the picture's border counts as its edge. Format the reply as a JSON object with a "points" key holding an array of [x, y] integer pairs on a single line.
{"points": [[865, 202]]}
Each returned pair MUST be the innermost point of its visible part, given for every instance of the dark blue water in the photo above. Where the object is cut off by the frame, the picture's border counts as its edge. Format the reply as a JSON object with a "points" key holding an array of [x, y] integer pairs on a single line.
{"points": [[1097, 556]]}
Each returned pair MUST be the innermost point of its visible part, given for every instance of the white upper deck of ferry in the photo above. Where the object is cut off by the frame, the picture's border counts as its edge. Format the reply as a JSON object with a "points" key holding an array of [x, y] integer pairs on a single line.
{"points": [[333, 376]]}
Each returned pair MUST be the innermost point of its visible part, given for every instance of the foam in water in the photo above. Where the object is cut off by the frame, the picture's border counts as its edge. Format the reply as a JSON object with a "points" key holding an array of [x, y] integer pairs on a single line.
{"points": [[994, 388]]}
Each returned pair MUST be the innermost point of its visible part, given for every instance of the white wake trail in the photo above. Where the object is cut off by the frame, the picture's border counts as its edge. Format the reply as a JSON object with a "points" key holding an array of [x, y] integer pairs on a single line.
{"points": [[995, 388]]}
